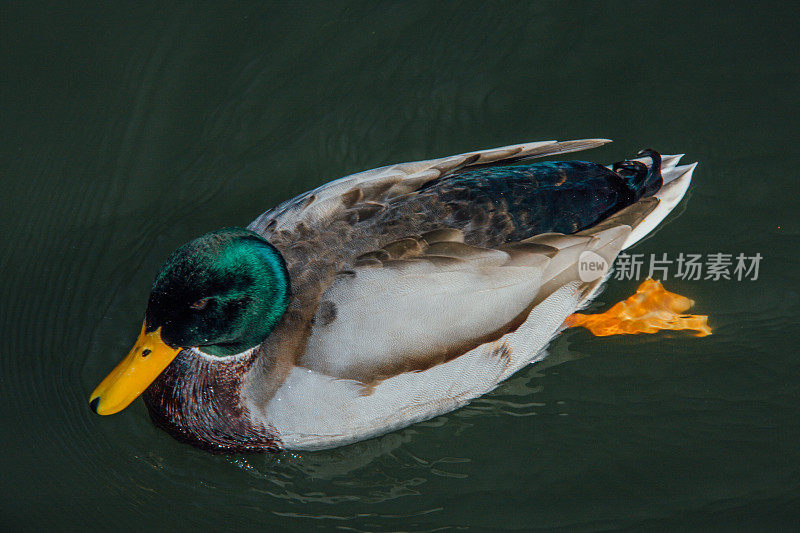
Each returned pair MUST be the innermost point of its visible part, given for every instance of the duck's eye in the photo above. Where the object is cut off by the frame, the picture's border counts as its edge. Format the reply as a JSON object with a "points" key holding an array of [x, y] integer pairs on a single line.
{"points": [[200, 304]]}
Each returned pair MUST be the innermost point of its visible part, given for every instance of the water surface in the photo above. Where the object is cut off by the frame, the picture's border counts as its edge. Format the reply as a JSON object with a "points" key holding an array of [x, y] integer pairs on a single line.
{"points": [[129, 129]]}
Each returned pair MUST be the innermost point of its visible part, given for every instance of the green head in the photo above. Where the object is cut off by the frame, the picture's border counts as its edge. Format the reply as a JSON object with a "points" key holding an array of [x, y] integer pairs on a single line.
{"points": [[223, 292]]}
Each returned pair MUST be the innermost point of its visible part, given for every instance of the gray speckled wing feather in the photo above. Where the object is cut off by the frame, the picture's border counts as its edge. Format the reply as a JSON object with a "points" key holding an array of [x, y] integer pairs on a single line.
{"points": [[381, 184]]}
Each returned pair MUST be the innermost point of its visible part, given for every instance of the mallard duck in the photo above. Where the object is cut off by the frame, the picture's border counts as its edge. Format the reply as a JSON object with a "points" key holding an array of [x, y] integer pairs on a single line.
{"points": [[383, 298]]}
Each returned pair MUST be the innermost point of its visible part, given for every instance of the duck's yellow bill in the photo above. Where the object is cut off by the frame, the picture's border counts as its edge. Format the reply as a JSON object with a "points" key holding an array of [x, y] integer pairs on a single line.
{"points": [[148, 358]]}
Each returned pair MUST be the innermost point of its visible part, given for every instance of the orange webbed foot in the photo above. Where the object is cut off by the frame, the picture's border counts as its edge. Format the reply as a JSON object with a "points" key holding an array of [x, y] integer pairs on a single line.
{"points": [[650, 310]]}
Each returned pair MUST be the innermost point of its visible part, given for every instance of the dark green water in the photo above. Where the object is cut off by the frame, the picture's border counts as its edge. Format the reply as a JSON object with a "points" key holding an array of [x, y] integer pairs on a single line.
{"points": [[128, 130]]}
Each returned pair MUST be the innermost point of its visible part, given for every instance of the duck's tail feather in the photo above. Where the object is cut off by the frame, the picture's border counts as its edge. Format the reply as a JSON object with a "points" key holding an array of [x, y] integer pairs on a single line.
{"points": [[641, 179]]}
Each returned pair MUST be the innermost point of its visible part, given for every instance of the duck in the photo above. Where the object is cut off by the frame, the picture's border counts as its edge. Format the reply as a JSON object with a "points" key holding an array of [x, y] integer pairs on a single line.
{"points": [[383, 298]]}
